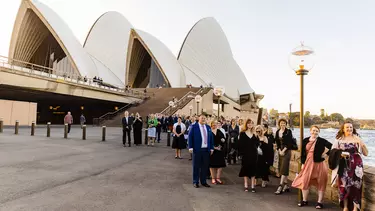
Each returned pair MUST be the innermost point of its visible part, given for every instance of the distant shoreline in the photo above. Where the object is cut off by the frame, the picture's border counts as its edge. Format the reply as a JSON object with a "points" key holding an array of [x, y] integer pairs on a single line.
{"points": [[322, 127]]}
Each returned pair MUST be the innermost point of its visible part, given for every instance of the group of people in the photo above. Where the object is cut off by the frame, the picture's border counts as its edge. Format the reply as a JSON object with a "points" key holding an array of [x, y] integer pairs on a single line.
{"points": [[215, 144], [258, 149]]}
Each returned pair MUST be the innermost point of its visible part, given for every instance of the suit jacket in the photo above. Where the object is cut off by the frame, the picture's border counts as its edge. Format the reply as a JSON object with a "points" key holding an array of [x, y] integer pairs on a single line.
{"points": [[127, 125], [195, 138]]}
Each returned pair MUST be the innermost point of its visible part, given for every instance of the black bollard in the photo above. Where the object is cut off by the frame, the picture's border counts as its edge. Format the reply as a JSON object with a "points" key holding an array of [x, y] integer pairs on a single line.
{"points": [[48, 129], [169, 138], [83, 132], [103, 132], [146, 136], [32, 128], [16, 127], [1, 125], [66, 131]]}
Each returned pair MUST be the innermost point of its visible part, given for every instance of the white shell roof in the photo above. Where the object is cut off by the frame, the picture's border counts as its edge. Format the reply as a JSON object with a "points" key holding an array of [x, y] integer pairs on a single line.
{"points": [[206, 53], [83, 61], [108, 42], [163, 55]]}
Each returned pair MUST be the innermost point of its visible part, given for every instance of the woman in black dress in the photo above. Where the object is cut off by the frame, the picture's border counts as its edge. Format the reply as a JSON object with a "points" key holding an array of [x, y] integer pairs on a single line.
{"points": [[247, 148], [233, 132], [179, 141], [137, 129], [217, 161], [264, 156]]}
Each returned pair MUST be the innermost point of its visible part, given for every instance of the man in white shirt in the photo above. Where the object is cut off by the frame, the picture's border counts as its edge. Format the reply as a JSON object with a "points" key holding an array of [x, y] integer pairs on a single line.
{"points": [[201, 144]]}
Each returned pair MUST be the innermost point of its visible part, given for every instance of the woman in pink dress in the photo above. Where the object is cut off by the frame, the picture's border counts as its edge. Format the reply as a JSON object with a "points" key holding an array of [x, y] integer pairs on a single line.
{"points": [[314, 170]]}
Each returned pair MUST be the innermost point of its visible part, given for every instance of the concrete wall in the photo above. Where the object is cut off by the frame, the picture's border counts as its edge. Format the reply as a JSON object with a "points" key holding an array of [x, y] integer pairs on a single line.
{"points": [[24, 112], [368, 199]]}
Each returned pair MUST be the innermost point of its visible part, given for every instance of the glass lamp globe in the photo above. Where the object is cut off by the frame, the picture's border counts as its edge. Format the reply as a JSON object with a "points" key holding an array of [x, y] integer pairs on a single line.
{"points": [[219, 91], [302, 59]]}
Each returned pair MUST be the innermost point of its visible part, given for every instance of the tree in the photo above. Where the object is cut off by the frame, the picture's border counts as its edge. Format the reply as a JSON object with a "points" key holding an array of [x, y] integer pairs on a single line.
{"points": [[316, 119], [337, 117], [322, 113]]}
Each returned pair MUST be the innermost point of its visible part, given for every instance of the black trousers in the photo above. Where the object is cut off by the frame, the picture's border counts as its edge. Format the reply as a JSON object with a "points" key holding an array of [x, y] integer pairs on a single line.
{"points": [[69, 125], [124, 134], [158, 132]]}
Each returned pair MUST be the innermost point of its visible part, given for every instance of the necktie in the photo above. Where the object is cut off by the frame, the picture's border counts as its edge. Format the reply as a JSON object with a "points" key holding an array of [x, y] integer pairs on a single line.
{"points": [[204, 134]]}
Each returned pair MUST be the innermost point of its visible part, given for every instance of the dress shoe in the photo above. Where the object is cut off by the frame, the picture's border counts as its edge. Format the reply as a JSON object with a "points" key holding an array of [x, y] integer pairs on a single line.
{"points": [[196, 186], [206, 185]]}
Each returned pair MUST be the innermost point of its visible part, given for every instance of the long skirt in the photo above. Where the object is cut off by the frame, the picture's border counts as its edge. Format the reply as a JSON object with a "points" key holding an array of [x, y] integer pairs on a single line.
{"points": [[312, 174], [137, 136], [284, 162]]}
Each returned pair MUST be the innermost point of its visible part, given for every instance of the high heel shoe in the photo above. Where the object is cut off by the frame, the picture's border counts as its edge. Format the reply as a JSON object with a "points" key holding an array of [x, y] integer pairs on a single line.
{"points": [[286, 189], [279, 190], [218, 181], [303, 203]]}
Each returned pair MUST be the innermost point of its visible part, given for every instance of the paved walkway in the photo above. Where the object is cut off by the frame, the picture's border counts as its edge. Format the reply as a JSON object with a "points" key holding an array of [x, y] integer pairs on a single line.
{"points": [[39, 173]]}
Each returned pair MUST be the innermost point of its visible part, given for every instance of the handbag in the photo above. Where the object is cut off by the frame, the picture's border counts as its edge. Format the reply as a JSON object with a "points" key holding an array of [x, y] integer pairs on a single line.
{"points": [[294, 144], [260, 151]]}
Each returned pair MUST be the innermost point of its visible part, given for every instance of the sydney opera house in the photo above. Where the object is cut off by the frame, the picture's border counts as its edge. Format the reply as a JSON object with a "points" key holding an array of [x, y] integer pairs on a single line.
{"points": [[121, 55]]}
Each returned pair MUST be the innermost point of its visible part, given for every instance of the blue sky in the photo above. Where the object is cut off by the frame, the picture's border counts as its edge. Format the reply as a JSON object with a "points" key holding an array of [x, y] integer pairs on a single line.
{"points": [[261, 34]]}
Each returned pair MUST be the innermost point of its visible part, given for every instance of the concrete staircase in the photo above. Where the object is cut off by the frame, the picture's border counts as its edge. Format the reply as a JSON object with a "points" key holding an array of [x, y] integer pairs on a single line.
{"points": [[155, 104]]}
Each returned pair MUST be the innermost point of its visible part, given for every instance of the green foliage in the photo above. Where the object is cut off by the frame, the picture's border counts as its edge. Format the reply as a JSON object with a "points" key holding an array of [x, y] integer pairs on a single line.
{"points": [[337, 117]]}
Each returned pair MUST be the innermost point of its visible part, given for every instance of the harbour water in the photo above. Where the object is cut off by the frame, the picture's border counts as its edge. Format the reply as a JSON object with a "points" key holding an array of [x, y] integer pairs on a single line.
{"points": [[368, 136]]}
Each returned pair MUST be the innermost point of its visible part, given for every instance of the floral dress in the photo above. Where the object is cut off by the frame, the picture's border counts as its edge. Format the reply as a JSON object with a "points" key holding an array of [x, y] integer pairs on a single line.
{"points": [[350, 183]]}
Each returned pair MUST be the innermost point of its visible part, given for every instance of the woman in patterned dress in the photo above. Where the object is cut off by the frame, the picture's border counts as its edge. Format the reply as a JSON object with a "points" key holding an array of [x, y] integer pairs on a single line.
{"points": [[351, 181]]}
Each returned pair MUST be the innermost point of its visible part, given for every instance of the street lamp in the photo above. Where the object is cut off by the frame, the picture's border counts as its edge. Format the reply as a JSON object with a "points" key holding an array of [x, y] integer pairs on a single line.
{"points": [[301, 60], [198, 99], [218, 91], [190, 108]]}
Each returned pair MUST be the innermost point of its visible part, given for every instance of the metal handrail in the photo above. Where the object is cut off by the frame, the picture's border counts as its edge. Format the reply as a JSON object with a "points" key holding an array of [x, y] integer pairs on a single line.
{"points": [[46, 72], [109, 115], [184, 100]]}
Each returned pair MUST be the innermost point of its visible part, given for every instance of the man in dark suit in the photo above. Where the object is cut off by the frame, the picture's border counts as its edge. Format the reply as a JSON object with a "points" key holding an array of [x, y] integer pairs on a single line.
{"points": [[158, 128], [127, 123], [201, 144]]}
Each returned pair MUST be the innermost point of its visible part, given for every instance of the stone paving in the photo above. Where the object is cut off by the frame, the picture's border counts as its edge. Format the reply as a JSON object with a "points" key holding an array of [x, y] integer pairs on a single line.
{"points": [[40, 173]]}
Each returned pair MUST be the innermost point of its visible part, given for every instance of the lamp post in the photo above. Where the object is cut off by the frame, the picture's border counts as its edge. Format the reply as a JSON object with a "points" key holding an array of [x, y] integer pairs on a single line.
{"points": [[218, 91], [190, 108], [301, 60], [198, 99]]}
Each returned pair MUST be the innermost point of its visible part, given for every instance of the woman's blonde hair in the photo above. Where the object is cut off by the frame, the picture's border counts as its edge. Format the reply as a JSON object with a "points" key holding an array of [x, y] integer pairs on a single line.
{"points": [[244, 126], [261, 128], [213, 122]]}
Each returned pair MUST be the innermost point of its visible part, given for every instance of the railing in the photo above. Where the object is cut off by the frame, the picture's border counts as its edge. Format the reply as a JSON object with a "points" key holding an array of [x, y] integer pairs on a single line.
{"points": [[59, 75], [184, 101], [111, 115]]}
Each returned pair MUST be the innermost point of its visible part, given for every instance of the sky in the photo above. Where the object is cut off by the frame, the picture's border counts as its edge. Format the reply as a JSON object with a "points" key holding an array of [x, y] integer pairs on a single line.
{"points": [[262, 33]]}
